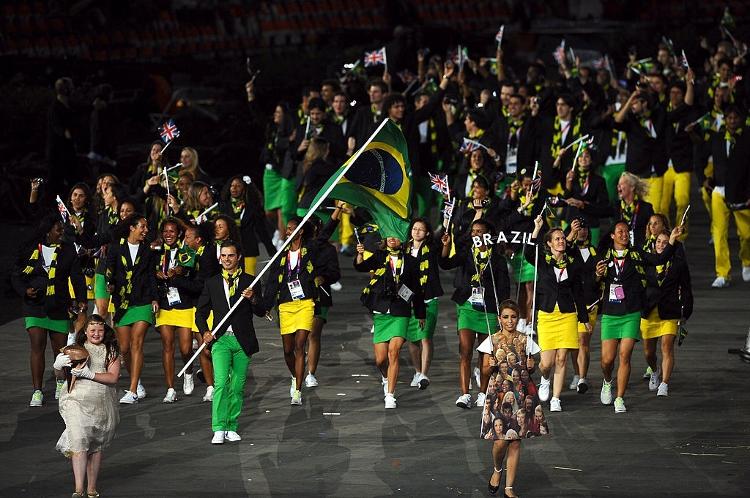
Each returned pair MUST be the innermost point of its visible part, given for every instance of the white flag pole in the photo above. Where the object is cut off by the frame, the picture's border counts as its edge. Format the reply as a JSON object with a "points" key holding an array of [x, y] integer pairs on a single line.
{"points": [[530, 337], [208, 210], [165, 147], [289, 239]]}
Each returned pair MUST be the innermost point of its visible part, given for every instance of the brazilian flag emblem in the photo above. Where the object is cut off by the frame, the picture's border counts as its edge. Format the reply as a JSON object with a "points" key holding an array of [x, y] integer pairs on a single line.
{"points": [[379, 180]]}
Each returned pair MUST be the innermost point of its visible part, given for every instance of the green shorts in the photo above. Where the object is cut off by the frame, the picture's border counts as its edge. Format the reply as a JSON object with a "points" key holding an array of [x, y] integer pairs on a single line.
{"points": [[387, 327], [322, 313], [621, 327], [141, 313], [474, 320], [61, 326], [414, 333], [100, 287]]}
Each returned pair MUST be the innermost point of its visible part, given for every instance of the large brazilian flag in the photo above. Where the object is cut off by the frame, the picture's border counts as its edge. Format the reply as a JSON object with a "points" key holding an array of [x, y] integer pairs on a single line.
{"points": [[378, 180]]}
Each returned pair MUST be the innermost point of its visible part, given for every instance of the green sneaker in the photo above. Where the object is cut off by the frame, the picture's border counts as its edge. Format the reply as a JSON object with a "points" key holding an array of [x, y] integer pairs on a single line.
{"points": [[59, 383], [620, 405], [37, 398], [647, 373]]}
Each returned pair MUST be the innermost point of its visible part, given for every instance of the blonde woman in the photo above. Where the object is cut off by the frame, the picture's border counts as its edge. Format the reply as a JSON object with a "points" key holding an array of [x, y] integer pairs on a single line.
{"points": [[632, 208], [190, 164]]}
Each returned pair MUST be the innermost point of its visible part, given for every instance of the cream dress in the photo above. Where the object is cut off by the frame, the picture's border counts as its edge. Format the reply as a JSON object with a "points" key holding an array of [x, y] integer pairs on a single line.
{"points": [[90, 410]]}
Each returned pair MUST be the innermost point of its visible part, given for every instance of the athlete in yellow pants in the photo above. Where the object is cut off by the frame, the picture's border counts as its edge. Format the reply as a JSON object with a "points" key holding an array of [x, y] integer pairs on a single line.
{"points": [[720, 232], [679, 185]]}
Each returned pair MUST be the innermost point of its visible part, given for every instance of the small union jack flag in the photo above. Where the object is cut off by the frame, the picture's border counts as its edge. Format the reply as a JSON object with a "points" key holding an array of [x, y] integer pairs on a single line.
{"points": [[169, 131], [684, 61], [64, 213], [499, 35], [469, 145], [440, 183], [375, 58], [448, 209]]}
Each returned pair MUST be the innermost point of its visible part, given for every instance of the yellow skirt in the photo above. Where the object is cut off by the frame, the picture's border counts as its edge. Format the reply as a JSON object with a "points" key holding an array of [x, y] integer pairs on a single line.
{"points": [[592, 321], [653, 326], [557, 330], [176, 318], [296, 315], [250, 264]]}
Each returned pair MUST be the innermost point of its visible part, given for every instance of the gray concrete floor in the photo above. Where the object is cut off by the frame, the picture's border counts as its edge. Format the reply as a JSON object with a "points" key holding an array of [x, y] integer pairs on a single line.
{"points": [[342, 442]]}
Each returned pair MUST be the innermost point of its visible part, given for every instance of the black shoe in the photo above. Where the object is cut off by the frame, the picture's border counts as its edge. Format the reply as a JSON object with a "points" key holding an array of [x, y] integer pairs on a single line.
{"points": [[582, 387], [494, 489]]}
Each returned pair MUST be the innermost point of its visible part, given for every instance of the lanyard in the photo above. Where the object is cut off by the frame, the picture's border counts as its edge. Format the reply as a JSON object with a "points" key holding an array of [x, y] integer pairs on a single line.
{"points": [[296, 266], [560, 275], [396, 273], [619, 266]]}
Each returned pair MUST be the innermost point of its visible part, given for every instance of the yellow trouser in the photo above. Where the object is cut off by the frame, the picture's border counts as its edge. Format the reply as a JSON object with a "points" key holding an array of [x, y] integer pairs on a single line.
{"points": [[708, 172], [250, 264], [679, 185], [720, 233], [346, 232], [653, 197]]}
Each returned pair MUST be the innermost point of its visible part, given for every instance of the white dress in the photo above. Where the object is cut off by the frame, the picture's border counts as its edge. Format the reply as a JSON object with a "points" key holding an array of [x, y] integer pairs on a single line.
{"points": [[90, 410]]}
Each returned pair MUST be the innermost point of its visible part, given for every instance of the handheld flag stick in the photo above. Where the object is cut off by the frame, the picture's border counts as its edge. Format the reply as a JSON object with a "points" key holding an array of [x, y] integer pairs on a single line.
{"points": [[530, 337], [207, 210], [161, 152], [289, 239], [684, 215]]}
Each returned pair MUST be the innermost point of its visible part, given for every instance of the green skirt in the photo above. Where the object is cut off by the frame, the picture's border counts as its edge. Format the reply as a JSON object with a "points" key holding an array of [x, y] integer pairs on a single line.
{"points": [[61, 326], [388, 326], [141, 313], [621, 327], [279, 193], [523, 271], [474, 320], [100, 287], [414, 333]]}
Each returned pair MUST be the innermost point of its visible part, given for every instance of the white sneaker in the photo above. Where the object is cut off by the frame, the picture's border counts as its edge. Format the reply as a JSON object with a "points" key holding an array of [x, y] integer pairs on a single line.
{"points": [[477, 377], [654, 381], [415, 379], [424, 381], [37, 398], [647, 373], [171, 396], [336, 286], [554, 405], [746, 273], [384, 381], [620, 405], [297, 398], [390, 401], [129, 398], [311, 381], [59, 383], [606, 395], [195, 344], [232, 436], [140, 390], [481, 398], [293, 387], [663, 390], [720, 283], [218, 437], [543, 389], [574, 382], [209, 396], [464, 401], [188, 384]]}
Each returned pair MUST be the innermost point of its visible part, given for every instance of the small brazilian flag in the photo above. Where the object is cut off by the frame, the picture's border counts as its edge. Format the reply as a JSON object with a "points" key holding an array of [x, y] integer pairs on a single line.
{"points": [[379, 181]]}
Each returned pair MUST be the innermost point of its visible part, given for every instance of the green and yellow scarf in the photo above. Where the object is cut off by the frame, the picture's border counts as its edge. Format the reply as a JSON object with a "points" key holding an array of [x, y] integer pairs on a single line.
{"points": [[480, 263], [557, 134], [232, 278], [52, 266], [127, 289]]}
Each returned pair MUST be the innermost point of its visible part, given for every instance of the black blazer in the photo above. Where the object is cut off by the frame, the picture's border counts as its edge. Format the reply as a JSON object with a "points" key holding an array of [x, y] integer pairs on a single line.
{"points": [[144, 279], [383, 297], [213, 298], [67, 266], [674, 297], [191, 282], [431, 288], [568, 294], [595, 199], [464, 263]]}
